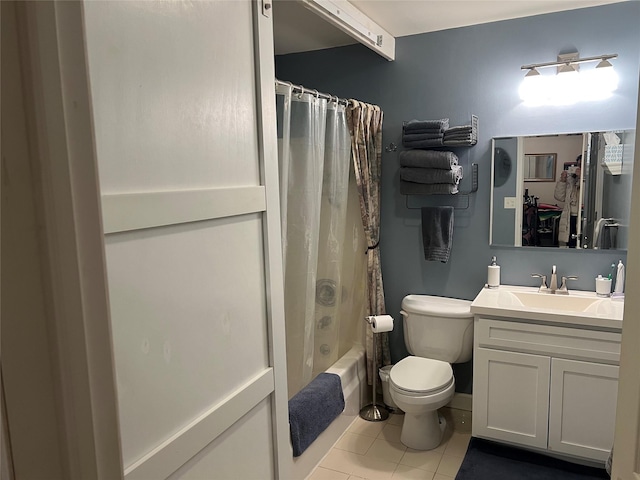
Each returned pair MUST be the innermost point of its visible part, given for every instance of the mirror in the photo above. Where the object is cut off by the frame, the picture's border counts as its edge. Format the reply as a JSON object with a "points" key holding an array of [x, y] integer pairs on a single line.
{"points": [[577, 196], [539, 167]]}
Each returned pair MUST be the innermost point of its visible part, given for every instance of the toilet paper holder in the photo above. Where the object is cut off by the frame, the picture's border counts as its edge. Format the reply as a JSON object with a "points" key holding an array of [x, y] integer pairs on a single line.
{"points": [[374, 412]]}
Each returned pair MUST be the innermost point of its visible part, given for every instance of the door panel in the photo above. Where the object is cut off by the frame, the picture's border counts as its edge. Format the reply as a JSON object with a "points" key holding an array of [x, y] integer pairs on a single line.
{"points": [[226, 455], [193, 252], [174, 85], [189, 323], [582, 408], [512, 404]]}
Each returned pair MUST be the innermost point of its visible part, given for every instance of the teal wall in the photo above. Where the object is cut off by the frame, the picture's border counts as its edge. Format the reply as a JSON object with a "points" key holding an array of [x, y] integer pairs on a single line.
{"points": [[475, 70]]}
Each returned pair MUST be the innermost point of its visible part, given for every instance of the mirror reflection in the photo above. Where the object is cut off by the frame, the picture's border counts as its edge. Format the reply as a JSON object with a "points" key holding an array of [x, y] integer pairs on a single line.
{"points": [[576, 194], [539, 167]]}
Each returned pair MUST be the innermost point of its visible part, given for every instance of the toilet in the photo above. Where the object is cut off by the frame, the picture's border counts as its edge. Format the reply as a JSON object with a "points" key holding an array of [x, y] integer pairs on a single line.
{"points": [[438, 331]]}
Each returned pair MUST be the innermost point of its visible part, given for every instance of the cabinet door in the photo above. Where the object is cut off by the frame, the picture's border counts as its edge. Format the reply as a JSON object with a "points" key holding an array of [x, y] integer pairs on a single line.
{"points": [[511, 397], [582, 408]]}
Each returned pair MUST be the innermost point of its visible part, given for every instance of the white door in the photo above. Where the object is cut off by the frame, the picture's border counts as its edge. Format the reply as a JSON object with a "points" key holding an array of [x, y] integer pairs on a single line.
{"points": [[184, 112], [512, 405], [582, 408]]}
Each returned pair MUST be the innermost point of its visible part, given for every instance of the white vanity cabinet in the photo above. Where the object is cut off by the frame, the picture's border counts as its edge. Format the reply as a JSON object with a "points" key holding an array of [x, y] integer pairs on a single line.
{"points": [[552, 388]]}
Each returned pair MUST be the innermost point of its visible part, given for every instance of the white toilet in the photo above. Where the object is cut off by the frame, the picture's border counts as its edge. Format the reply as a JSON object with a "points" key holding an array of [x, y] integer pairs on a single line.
{"points": [[437, 332]]}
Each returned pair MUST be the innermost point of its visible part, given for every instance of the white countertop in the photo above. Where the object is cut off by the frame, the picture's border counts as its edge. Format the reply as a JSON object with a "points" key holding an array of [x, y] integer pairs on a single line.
{"points": [[578, 309]]}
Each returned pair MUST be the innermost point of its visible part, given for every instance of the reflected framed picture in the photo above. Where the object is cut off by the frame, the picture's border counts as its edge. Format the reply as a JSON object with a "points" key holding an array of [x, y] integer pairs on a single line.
{"points": [[540, 167]]}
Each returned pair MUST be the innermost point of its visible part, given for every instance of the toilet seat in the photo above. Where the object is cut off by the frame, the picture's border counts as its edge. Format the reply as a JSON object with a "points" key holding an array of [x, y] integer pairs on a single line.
{"points": [[421, 376]]}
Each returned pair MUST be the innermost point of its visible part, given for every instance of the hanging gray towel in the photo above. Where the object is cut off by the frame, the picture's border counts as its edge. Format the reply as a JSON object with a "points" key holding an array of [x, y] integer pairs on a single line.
{"points": [[437, 233]]}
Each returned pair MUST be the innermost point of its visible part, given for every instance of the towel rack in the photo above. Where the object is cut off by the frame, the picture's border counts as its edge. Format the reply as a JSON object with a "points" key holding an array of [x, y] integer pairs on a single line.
{"points": [[466, 195]]}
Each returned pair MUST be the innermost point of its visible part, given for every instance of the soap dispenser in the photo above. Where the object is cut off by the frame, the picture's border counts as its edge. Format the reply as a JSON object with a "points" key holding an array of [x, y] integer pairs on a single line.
{"points": [[493, 274]]}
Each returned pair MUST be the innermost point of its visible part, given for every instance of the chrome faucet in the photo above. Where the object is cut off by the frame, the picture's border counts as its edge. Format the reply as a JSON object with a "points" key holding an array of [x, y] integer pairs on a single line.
{"points": [[553, 284], [543, 286], [563, 290]]}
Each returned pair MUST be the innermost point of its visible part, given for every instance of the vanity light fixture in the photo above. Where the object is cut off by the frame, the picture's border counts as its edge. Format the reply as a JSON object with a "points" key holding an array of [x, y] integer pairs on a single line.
{"points": [[569, 85]]}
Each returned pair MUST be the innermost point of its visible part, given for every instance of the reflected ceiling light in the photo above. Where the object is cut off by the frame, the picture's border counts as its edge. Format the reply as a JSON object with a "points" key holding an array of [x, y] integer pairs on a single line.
{"points": [[569, 86]]}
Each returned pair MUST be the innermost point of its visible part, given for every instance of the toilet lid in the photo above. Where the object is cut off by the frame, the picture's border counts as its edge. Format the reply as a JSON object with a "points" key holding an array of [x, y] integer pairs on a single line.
{"points": [[421, 375]]}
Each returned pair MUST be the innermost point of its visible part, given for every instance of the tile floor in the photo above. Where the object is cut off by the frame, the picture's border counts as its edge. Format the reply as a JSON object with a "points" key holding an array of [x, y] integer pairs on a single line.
{"points": [[372, 450]]}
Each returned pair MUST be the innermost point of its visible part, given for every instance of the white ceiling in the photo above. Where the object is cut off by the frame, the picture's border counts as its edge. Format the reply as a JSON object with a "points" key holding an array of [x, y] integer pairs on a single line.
{"points": [[296, 29]]}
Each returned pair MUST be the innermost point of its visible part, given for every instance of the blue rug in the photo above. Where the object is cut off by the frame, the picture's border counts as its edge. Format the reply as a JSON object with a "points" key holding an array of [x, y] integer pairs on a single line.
{"points": [[487, 460]]}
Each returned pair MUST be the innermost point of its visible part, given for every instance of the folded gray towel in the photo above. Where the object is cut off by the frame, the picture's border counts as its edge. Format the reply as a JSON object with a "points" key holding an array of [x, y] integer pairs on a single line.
{"points": [[423, 143], [437, 233], [449, 133], [313, 408], [413, 125], [468, 137], [431, 175], [461, 142], [461, 129], [428, 159], [411, 188], [414, 137]]}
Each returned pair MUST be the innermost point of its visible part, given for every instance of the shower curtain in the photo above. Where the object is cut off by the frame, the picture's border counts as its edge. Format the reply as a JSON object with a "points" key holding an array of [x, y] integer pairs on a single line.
{"points": [[319, 245], [365, 127]]}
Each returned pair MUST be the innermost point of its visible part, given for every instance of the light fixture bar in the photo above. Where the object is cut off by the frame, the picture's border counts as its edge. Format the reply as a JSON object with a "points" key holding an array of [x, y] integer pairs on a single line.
{"points": [[607, 56]]}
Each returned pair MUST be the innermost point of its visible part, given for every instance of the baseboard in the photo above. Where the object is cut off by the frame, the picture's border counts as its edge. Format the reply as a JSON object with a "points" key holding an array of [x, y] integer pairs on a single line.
{"points": [[461, 401]]}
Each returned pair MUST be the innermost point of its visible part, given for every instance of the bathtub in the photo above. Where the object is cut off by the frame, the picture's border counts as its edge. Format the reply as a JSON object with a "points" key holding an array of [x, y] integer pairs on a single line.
{"points": [[352, 372]]}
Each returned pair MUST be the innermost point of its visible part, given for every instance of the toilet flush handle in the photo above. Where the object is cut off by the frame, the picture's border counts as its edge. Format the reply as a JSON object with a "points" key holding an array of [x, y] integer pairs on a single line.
{"points": [[403, 313]]}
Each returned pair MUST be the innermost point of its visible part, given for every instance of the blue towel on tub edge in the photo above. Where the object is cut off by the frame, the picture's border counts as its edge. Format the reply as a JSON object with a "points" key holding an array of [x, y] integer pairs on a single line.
{"points": [[313, 408]]}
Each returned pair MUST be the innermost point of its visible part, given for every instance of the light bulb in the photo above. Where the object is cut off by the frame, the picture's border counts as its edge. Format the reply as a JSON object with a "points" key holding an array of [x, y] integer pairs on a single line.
{"points": [[566, 87], [533, 89]]}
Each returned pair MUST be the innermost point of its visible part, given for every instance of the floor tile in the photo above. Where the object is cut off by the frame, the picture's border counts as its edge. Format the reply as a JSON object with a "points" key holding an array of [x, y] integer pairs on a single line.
{"points": [[353, 442], [449, 465], [321, 473], [460, 420], [363, 427], [395, 419], [341, 461], [457, 444], [387, 451], [426, 460], [391, 433], [374, 469], [373, 451], [404, 472]]}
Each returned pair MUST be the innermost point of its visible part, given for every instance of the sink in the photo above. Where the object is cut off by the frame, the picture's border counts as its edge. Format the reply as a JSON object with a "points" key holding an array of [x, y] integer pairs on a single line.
{"points": [[556, 302], [577, 308]]}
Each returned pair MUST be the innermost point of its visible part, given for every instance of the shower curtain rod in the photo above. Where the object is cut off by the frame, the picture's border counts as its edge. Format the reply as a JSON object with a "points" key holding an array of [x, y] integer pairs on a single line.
{"points": [[301, 89]]}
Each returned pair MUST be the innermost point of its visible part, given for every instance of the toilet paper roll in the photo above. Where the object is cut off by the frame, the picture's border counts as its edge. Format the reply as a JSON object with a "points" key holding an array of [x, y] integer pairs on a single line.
{"points": [[381, 323]]}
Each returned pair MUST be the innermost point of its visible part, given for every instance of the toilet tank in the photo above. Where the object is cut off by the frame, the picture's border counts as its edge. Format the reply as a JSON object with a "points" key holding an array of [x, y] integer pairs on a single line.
{"points": [[438, 327]]}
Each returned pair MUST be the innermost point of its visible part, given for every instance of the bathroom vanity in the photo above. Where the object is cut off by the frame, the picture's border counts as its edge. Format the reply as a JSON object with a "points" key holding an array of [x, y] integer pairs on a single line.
{"points": [[546, 370]]}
